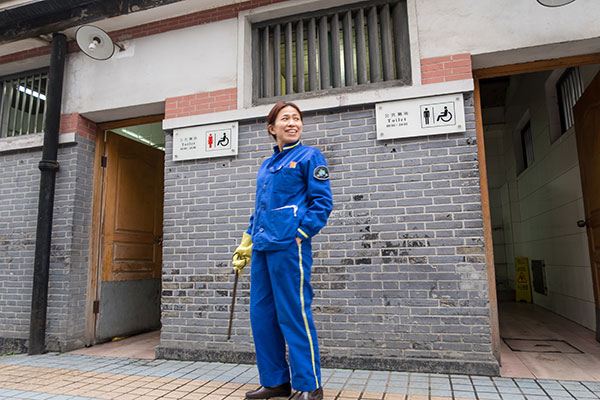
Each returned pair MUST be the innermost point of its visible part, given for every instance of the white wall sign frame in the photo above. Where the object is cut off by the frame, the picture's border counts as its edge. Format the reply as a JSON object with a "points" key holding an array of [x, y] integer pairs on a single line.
{"points": [[420, 117], [207, 141]]}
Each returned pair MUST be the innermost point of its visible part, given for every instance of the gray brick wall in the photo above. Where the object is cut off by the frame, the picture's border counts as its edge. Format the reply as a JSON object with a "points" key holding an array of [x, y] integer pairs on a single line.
{"points": [[399, 271], [19, 191]]}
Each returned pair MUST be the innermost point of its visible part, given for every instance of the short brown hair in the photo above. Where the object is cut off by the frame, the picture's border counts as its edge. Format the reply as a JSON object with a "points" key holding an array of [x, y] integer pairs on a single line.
{"points": [[280, 105]]}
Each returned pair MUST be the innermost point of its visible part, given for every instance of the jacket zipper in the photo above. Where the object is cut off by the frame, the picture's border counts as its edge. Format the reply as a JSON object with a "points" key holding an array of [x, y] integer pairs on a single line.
{"points": [[281, 208]]}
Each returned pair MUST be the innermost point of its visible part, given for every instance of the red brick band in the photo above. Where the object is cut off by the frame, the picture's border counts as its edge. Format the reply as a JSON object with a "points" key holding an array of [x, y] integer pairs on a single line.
{"points": [[201, 103], [76, 123], [445, 69]]}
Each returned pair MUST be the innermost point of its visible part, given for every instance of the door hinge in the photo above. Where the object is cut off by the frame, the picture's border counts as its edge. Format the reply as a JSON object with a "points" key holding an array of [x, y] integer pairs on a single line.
{"points": [[103, 162], [96, 306]]}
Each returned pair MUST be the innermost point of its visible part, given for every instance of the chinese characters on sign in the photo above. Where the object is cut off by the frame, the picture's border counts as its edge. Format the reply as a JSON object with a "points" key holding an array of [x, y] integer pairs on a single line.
{"points": [[189, 143], [396, 119], [205, 141], [420, 117]]}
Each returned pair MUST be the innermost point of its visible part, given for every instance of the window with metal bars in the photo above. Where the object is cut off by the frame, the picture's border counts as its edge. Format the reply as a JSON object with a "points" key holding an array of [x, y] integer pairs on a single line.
{"points": [[23, 103], [569, 88], [343, 47]]}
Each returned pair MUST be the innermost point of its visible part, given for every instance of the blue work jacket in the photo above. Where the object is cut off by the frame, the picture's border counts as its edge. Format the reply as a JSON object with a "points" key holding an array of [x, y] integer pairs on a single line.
{"points": [[293, 197]]}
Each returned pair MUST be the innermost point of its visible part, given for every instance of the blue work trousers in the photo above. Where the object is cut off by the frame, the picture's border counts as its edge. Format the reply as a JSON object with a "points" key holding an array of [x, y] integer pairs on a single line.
{"points": [[280, 300]]}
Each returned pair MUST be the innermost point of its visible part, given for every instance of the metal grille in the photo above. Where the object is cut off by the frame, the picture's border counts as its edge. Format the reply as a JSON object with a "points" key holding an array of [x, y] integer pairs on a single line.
{"points": [[342, 47], [569, 88], [23, 103]]}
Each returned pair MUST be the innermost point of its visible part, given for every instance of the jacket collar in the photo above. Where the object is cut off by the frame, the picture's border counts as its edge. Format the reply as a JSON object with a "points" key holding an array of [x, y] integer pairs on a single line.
{"points": [[287, 147]]}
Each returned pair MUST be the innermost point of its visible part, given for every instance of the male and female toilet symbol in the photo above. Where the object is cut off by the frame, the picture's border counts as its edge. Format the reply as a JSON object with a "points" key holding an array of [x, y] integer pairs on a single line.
{"points": [[431, 117]]}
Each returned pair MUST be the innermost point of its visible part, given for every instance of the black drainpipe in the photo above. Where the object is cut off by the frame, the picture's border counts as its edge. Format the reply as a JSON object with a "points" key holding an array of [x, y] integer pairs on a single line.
{"points": [[48, 166]]}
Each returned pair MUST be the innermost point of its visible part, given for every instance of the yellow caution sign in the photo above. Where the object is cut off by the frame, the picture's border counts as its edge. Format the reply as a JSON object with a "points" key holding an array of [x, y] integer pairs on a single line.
{"points": [[522, 277]]}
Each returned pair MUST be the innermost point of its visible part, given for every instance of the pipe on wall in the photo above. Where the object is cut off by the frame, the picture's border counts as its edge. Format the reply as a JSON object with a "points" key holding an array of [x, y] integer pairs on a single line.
{"points": [[48, 167]]}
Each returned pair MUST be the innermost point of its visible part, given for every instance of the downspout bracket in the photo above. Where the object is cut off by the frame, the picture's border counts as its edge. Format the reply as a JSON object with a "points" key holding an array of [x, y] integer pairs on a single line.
{"points": [[48, 165]]}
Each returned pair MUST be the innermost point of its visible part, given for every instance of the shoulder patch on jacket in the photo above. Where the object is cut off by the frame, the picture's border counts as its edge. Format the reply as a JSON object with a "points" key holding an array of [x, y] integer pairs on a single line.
{"points": [[321, 173]]}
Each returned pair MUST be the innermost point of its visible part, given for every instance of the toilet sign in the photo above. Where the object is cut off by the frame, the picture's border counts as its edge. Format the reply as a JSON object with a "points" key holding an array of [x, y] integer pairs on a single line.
{"points": [[205, 141], [217, 140], [439, 114], [420, 117]]}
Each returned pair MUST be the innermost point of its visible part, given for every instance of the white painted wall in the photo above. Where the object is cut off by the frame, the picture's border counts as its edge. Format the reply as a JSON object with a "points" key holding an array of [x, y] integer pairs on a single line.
{"points": [[486, 26], [541, 206], [182, 62]]}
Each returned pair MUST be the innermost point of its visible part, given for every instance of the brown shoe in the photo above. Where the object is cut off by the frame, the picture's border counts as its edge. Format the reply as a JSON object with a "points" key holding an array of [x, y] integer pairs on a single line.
{"points": [[316, 394], [266, 392]]}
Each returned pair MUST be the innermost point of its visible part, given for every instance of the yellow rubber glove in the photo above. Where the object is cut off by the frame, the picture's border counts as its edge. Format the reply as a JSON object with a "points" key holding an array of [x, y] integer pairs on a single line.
{"points": [[243, 254]]}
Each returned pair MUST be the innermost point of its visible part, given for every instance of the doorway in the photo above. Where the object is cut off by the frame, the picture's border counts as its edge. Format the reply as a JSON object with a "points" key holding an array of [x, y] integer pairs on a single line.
{"points": [[536, 206], [126, 245]]}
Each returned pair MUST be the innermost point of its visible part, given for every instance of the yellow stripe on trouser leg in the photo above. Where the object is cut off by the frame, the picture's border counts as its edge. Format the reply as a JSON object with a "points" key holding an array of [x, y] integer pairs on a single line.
{"points": [[312, 351]]}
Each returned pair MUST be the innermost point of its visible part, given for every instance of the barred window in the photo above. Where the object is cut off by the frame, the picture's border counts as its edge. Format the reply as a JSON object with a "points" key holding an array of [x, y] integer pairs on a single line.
{"points": [[350, 46], [23, 103], [569, 88]]}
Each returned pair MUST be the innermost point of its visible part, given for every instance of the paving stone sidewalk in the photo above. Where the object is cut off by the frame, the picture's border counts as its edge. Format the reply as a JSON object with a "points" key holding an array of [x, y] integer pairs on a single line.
{"points": [[68, 376]]}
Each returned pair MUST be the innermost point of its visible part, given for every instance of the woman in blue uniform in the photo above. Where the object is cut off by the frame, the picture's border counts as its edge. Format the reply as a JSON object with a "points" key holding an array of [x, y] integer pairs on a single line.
{"points": [[293, 202]]}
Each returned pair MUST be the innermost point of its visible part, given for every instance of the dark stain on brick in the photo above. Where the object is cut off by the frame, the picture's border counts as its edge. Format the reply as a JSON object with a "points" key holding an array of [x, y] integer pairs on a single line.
{"points": [[347, 261], [339, 277], [389, 252], [363, 261], [448, 303], [337, 270], [421, 346], [201, 278], [358, 197], [222, 293], [417, 260], [365, 245], [369, 236], [416, 243], [365, 229], [475, 259]]}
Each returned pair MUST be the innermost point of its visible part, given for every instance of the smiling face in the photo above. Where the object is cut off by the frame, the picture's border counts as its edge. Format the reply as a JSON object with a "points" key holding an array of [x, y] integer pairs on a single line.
{"points": [[287, 127]]}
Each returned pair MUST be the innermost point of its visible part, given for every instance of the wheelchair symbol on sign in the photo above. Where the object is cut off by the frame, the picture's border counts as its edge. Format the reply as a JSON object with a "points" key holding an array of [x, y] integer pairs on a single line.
{"points": [[445, 115], [224, 141]]}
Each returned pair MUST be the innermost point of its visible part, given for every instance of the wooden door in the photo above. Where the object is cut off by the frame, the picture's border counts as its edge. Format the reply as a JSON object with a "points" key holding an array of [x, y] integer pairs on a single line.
{"points": [[131, 238], [133, 214], [587, 132]]}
